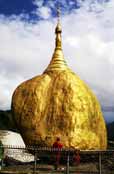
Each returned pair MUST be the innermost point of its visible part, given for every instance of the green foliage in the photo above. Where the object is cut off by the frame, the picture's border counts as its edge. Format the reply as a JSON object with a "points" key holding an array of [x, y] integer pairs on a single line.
{"points": [[1, 150], [6, 121]]}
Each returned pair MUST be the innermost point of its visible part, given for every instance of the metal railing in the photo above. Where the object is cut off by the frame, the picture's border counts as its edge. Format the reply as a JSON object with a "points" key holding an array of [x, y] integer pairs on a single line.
{"points": [[103, 161]]}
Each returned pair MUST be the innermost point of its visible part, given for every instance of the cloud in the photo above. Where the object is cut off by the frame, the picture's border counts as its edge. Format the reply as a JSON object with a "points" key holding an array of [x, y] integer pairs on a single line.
{"points": [[45, 12], [38, 3], [27, 48]]}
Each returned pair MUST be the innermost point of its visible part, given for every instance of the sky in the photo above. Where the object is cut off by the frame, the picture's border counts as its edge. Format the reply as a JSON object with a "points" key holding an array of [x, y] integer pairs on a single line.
{"points": [[27, 44]]}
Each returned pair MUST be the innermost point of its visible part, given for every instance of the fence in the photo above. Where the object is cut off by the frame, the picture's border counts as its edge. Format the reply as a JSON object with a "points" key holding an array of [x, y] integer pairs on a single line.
{"points": [[42, 160]]}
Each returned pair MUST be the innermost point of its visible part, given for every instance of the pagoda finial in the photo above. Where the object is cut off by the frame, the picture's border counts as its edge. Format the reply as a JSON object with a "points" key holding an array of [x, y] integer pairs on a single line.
{"points": [[58, 31], [58, 12]]}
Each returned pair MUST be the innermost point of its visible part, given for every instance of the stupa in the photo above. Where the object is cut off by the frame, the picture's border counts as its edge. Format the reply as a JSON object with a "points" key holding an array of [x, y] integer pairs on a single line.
{"points": [[59, 104]]}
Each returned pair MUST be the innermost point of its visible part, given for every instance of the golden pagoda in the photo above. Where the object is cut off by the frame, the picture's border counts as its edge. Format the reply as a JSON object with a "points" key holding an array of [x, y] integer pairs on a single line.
{"points": [[59, 104]]}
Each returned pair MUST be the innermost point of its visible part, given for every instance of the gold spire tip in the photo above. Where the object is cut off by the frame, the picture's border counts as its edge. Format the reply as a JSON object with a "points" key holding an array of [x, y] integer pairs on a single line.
{"points": [[58, 27]]}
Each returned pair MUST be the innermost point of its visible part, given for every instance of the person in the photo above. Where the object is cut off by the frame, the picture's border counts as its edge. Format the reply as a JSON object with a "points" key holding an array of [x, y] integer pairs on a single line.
{"points": [[57, 145]]}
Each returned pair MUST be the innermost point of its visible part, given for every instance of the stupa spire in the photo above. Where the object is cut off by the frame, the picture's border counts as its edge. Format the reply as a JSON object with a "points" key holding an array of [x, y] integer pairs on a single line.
{"points": [[58, 31], [57, 61]]}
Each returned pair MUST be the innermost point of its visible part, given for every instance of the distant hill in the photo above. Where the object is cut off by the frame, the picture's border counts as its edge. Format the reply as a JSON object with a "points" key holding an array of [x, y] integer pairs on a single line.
{"points": [[6, 121], [110, 131]]}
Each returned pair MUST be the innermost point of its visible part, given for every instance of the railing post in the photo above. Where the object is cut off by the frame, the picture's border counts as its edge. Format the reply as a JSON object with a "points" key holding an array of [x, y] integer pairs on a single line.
{"points": [[100, 163], [2, 156], [67, 167]]}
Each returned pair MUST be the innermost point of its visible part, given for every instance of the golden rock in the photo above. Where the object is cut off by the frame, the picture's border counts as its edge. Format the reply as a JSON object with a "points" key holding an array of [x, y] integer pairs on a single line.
{"points": [[59, 104]]}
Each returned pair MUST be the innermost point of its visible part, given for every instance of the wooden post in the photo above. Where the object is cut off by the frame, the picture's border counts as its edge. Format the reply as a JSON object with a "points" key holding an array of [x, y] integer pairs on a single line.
{"points": [[100, 164], [35, 161], [67, 167]]}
